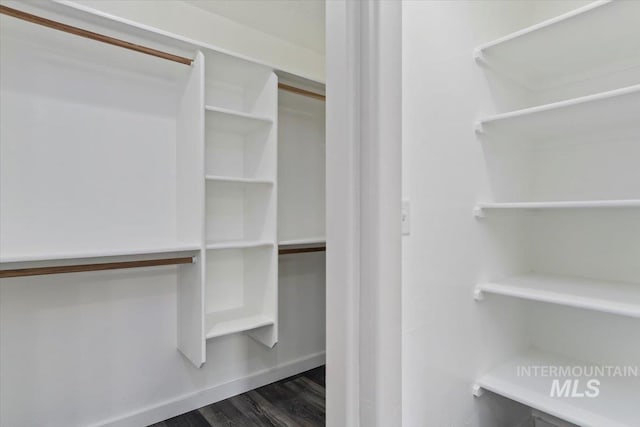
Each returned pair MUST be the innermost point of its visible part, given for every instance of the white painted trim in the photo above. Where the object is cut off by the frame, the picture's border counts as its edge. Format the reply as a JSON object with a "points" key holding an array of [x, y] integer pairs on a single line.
{"points": [[380, 215], [343, 212], [364, 135], [189, 402]]}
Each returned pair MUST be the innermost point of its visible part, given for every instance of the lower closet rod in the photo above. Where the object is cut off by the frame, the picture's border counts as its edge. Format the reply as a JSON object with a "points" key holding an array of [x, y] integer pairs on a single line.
{"points": [[39, 271], [301, 250], [91, 35]]}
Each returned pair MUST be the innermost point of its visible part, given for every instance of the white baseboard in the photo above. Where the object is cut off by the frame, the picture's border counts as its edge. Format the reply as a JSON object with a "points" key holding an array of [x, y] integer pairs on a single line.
{"points": [[191, 401]]}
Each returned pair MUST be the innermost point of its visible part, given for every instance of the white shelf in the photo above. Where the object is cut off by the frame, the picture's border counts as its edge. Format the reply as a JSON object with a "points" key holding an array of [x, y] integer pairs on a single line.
{"points": [[232, 179], [235, 121], [589, 204], [606, 110], [615, 406], [608, 297], [566, 48], [233, 321], [304, 241], [97, 254], [238, 244]]}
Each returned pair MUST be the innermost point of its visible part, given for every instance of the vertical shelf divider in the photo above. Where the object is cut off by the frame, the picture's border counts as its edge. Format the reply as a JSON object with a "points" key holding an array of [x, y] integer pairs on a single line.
{"points": [[190, 213]]}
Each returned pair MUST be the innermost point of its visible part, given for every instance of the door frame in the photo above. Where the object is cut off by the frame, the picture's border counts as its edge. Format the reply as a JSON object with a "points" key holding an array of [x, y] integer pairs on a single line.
{"points": [[363, 181]]}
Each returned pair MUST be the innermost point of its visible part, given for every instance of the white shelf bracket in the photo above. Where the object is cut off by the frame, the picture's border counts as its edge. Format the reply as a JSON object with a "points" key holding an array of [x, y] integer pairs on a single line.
{"points": [[477, 391], [479, 57], [478, 212], [478, 128], [478, 295], [194, 259]]}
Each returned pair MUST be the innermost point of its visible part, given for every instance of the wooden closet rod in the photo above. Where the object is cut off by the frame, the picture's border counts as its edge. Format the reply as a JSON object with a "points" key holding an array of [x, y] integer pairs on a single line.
{"points": [[91, 35], [301, 250], [302, 92], [39, 271]]}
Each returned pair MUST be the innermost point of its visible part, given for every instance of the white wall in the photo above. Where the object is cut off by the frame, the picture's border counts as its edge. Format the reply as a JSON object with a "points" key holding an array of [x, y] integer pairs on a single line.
{"points": [[447, 338], [185, 19], [299, 21], [301, 167], [81, 349], [543, 10]]}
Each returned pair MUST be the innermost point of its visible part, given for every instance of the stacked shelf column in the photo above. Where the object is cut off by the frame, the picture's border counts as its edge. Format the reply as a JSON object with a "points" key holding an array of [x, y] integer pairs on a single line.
{"points": [[240, 200]]}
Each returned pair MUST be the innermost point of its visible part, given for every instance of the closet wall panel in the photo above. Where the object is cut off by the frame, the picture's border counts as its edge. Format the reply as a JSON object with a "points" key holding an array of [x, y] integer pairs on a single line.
{"points": [[70, 109]]}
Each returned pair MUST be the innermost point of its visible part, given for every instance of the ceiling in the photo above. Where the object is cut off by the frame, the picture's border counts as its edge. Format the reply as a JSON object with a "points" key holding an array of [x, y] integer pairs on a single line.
{"points": [[297, 21]]}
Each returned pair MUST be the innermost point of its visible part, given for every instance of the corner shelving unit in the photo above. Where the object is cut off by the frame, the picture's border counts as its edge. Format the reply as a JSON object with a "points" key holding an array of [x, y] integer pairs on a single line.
{"points": [[583, 163]]}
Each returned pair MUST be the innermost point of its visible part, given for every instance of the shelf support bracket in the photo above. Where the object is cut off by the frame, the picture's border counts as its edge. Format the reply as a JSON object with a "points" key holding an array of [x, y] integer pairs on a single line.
{"points": [[478, 295], [478, 212], [479, 57], [477, 391]]}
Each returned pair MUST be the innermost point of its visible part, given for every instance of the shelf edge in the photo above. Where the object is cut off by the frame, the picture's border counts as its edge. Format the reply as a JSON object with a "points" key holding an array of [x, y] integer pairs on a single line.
{"points": [[588, 204], [238, 244], [236, 113], [263, 323], [544, 24], [602, 96], [567, 300], [220, 178]]}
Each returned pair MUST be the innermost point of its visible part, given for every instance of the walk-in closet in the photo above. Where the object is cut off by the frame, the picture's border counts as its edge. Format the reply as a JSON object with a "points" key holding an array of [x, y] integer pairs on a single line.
{"points": [[307, 213], [162, 220]]}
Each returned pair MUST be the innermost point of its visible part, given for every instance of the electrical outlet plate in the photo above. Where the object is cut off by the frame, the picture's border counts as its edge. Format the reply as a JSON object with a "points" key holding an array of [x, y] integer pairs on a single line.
{"points": [[405, 215]]}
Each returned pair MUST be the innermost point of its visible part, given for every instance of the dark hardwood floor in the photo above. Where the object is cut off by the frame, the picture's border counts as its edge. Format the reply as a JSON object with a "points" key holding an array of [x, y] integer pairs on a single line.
{"points": [[291, 402]]}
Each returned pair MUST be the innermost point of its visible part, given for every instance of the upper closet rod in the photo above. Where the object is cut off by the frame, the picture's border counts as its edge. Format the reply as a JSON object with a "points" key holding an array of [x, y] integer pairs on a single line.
{"points": [[91, 35], [40, 271], [302, 92]]}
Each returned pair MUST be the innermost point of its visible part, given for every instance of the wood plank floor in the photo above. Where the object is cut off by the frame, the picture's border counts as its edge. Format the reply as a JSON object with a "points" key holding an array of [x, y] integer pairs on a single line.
{"points": [[291, 402]]}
